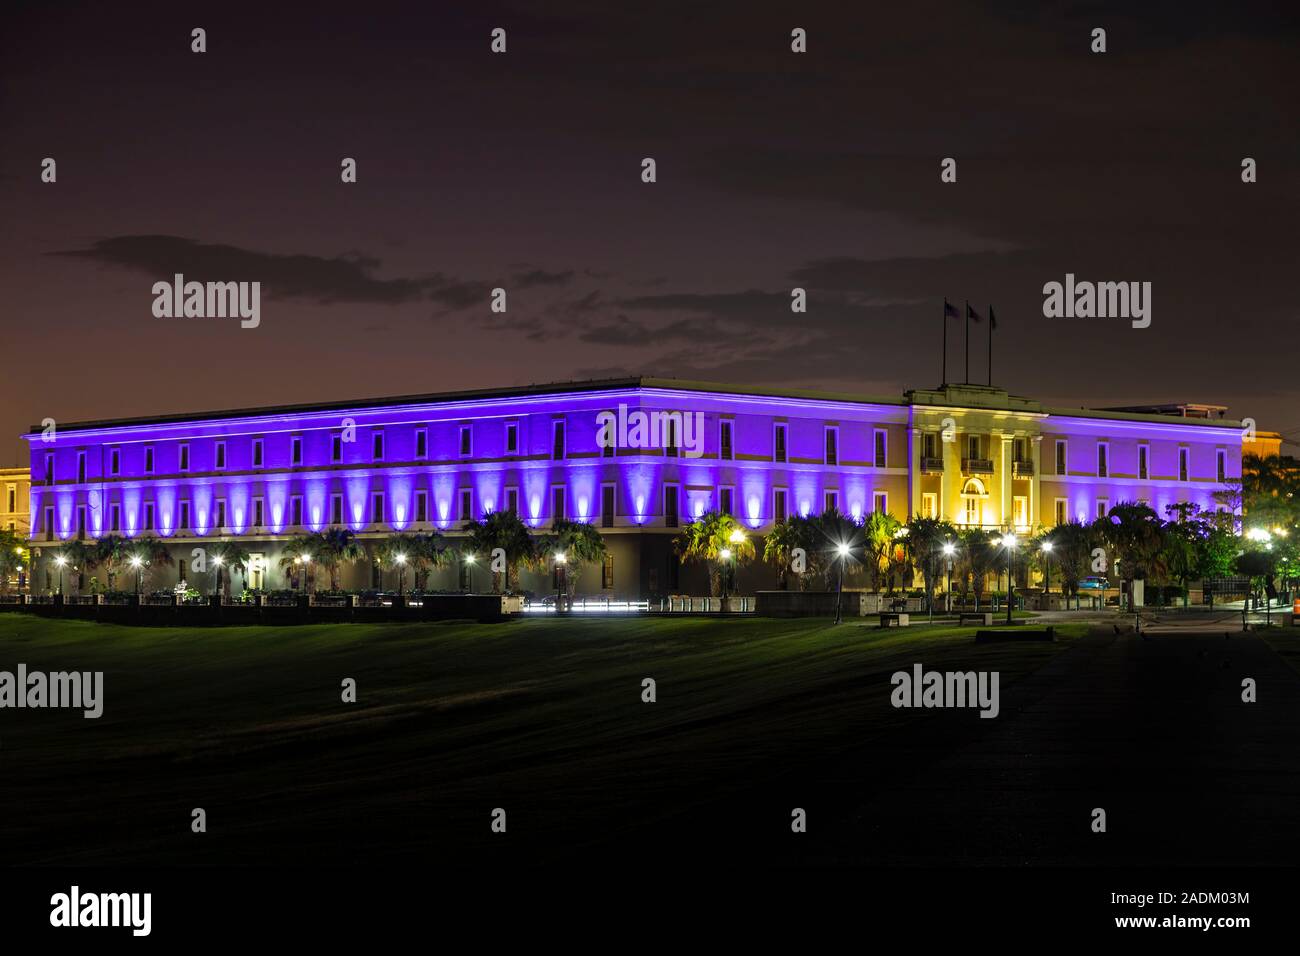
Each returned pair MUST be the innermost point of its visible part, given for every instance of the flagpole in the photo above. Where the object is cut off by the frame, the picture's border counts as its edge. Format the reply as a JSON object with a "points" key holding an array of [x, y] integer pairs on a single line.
{"points": [[991, 346], [944, 378], [968, 341]]}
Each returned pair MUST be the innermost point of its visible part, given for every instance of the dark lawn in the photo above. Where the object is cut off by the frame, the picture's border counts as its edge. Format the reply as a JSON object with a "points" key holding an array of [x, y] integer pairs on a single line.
{"points": [[541, 717]]}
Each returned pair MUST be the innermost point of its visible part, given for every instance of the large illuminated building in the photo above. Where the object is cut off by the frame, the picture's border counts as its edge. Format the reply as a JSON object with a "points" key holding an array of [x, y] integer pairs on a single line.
{"points": [[636, 457], [14, 510]]}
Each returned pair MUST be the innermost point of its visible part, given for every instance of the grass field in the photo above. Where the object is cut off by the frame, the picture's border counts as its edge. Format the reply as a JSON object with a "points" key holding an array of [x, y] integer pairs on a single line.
{"points": [[543, 718]]}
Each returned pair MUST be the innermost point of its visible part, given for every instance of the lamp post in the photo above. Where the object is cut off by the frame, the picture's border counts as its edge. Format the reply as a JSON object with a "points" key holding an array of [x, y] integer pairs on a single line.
{"points": [[737, 537], [842, 550], [1047, 573], [138, 565], [949, 549], [561, 559], [1009, 542], [401, 568], [216, 575], [61, 561], [725, 556], [469, 573]]}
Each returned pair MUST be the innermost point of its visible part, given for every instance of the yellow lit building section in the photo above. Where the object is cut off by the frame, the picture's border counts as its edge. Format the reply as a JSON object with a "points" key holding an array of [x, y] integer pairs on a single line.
{"points": [[15, 500]]}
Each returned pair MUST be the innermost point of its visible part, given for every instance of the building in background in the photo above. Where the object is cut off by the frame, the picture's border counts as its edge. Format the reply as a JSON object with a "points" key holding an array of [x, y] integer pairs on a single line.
{"points": [[15, 508], [974, 455]]}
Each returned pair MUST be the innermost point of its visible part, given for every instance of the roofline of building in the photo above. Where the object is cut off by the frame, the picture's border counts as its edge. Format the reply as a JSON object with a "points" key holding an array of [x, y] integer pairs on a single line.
{"points": [[634, 381]]}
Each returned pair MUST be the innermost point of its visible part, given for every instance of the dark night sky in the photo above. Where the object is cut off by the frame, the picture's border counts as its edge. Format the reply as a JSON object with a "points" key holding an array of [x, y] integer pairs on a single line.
{"points": [[775, 170]]}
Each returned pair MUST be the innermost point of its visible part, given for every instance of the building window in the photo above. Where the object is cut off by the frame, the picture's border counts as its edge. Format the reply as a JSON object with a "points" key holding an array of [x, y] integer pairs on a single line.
{"points": [[377, 446], [1062, 517], [466, 504], [973, 511], [778, 505], [377, 508], [778, 442], [724, 440], [148, 516], [1182, 464], [336, 509], [49, 523], [114, 462], [1144, 454], [1102, 505], [49, 467], [184, 523], [832, 445], [1060, 456], [881, 445], [13, 498], [512, 437], [512, 500], [1222, 466], [880, 503], [1103, 452], [115, 518], [1020, 511], [670, 437], [259, 516], [466, 441], [831, 502], [972, 446], [185, 458], [81, 467], [929, 445], [607, 506], [725, 502], [296, 450], [219, 455], [336, 449], [557, 503], [557, 446], [258, 447], [221, 514], [672, 510], [607, 573], [295, 510], [421, 507], [930, 505], [421, 443]]}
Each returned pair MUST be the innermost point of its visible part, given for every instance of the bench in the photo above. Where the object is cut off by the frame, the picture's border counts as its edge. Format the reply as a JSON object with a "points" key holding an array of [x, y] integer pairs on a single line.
{"points": [[980, 617], [894, 618]]}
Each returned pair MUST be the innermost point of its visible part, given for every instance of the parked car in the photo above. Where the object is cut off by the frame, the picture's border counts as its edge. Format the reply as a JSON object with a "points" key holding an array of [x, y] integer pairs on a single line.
{"points": [[1093, 583]]}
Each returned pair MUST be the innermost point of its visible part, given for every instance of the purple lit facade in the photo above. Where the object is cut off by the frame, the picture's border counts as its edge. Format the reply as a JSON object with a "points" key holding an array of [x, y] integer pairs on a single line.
{"points": [[970, 454]]}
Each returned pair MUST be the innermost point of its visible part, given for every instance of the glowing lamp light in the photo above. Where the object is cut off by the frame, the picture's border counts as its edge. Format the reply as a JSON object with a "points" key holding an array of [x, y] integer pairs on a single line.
{"points": [[401, 559], [60, 560], [725, 554], [560, 557], [949, 548], [1009, 541], [736, 536], [1047, 546], [469, 559], [136, 562], [843, 549]]}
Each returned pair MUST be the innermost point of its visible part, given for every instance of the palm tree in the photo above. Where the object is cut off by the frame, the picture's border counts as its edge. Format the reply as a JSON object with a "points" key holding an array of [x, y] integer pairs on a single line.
{"points": [[580, 543], [397, 552], [332, 548], [428, 551], [924, 543], [229, 556], [706, 538], [793, 534], [980, 557], [1134, 533], [504, 532], [831, 530], [152, 552], [111, 551], [297, 552], [77, 556], [880, 530], [1072, 545], [13, 555]]}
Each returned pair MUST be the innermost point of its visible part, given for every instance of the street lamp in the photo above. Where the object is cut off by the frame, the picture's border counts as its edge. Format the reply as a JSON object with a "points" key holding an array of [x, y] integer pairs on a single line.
{"points": [[561, 559], [216, 586], [725, 556], [1047, 572], [469, 573], [1009, 542], [401, 567], [842, 550], [61, 561], [138, 565], [949, 549]]}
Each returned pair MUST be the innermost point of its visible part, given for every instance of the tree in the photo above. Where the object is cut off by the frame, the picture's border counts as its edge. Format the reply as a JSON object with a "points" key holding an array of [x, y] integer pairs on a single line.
{"points": [[331, 549], [795, 533], [153, 553], [1136, 538], [980, 557], [831, 530], [879, 531], [924, 543], [704, 540], [429, 551], [229, 557], [394, 553], [296, 552], [579, 542], [13, 556], [1072, 545], [78, 556], [506, 532], [111, 552]]}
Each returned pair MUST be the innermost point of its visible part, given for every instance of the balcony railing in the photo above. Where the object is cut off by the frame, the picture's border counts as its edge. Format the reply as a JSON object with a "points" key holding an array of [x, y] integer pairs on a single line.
{"points": [[977, 466], [931, 466], [1022, 469]]}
